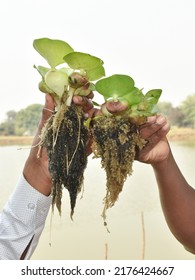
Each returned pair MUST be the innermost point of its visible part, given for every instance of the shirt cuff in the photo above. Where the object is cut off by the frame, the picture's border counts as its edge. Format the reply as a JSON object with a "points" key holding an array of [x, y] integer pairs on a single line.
{"points": [[25, 201], [22, 220]]}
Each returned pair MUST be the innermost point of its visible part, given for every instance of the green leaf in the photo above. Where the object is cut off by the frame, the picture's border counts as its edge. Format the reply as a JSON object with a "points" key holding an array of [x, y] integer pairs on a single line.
{"points": [[145, 108], [57, 81], [115, 86], [44, 88], [96, 73], [42, 70], [155, 94], [96, 104], [133, 97], [78, 60], [92, 87], [67, 71], [154, 109], [52, 50]]}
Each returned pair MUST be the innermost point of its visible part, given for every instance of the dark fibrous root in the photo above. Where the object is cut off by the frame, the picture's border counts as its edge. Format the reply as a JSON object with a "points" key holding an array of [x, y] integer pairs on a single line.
{"points": [[65, 138], [116, 141]]}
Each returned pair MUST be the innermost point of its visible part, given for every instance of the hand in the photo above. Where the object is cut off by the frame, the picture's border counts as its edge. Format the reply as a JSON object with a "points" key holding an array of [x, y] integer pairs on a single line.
{"points": [[154, 131], [36, 169]]}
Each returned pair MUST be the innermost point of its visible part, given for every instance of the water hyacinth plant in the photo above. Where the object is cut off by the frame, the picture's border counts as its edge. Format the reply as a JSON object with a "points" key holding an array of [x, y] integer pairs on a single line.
{"points": [[116, 134], [65, 135]]}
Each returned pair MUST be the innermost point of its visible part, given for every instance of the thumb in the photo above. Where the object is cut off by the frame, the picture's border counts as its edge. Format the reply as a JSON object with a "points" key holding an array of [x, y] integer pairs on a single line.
{"points": [[47, 112], [48, 109]]}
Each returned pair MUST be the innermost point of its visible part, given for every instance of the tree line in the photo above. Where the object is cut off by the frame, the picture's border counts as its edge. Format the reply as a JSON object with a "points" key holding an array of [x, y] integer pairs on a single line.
{"points": [[25, 121], [180, 116]]}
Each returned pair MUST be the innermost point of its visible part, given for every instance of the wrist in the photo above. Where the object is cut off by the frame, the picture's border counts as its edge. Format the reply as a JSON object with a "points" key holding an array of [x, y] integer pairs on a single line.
{"points": [[163, 164], [37, 178]]}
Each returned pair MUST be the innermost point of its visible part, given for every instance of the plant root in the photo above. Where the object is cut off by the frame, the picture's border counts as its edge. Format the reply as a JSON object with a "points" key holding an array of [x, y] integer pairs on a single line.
{"points": [[65, 138], [116, 140]]}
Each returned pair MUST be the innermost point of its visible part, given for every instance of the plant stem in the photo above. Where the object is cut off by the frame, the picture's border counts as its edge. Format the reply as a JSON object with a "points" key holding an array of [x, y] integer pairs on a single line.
{"points": [[69, 96]]}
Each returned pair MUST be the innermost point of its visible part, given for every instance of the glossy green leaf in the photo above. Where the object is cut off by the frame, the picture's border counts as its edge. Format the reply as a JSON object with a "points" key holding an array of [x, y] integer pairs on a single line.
{"points": [[52, 50], [67, 71], [95, 73], [115, 86], [154, 93], [145, 108], [92, 87], [57, 81], [79, 60], [44, 88], [96, 104], [42, 70], [154, 109], [133, 97]]}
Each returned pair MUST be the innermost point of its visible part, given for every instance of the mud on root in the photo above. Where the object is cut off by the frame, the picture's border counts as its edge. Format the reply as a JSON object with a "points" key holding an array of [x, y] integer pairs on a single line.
{"points": [[116, 141], [65, 138]]}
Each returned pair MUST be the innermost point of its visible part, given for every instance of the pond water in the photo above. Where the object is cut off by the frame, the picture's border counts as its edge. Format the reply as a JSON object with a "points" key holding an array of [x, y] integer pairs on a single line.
{"points": [[86, 237]]}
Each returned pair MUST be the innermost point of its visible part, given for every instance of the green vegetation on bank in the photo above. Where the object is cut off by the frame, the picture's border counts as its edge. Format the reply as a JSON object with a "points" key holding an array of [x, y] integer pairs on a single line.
{"points": [[180, 116], [21, 123]]}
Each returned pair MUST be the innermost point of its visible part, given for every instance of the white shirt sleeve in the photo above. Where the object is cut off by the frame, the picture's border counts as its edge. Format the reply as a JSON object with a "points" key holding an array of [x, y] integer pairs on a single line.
{"points": [[22, 220]]}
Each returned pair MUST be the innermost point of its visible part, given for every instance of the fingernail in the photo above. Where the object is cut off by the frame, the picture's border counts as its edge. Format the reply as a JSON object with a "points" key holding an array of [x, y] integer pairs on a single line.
{"points": [[79, 98], [161, 120], [151, 119]]}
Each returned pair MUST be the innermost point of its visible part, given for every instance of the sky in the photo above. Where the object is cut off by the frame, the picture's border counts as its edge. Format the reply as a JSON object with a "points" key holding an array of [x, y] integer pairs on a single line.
{"points": [[152, 41]]}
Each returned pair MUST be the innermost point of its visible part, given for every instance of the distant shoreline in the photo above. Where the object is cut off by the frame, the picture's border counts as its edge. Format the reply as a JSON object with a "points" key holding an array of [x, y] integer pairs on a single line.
{"points": [[175, 134], [15, 140], [181, 134]]}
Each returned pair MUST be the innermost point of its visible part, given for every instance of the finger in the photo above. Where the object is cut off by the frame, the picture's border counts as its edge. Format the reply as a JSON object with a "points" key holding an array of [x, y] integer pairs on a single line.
{"points": [[150, 120], [156, 120], [47, 111], [152, 126], [84, 102], [92, 113], [159, 135]]}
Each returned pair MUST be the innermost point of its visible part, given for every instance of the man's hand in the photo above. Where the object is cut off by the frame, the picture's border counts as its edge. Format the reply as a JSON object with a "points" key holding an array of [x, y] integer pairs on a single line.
{"points": [[36, 169], [154, 131]]}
